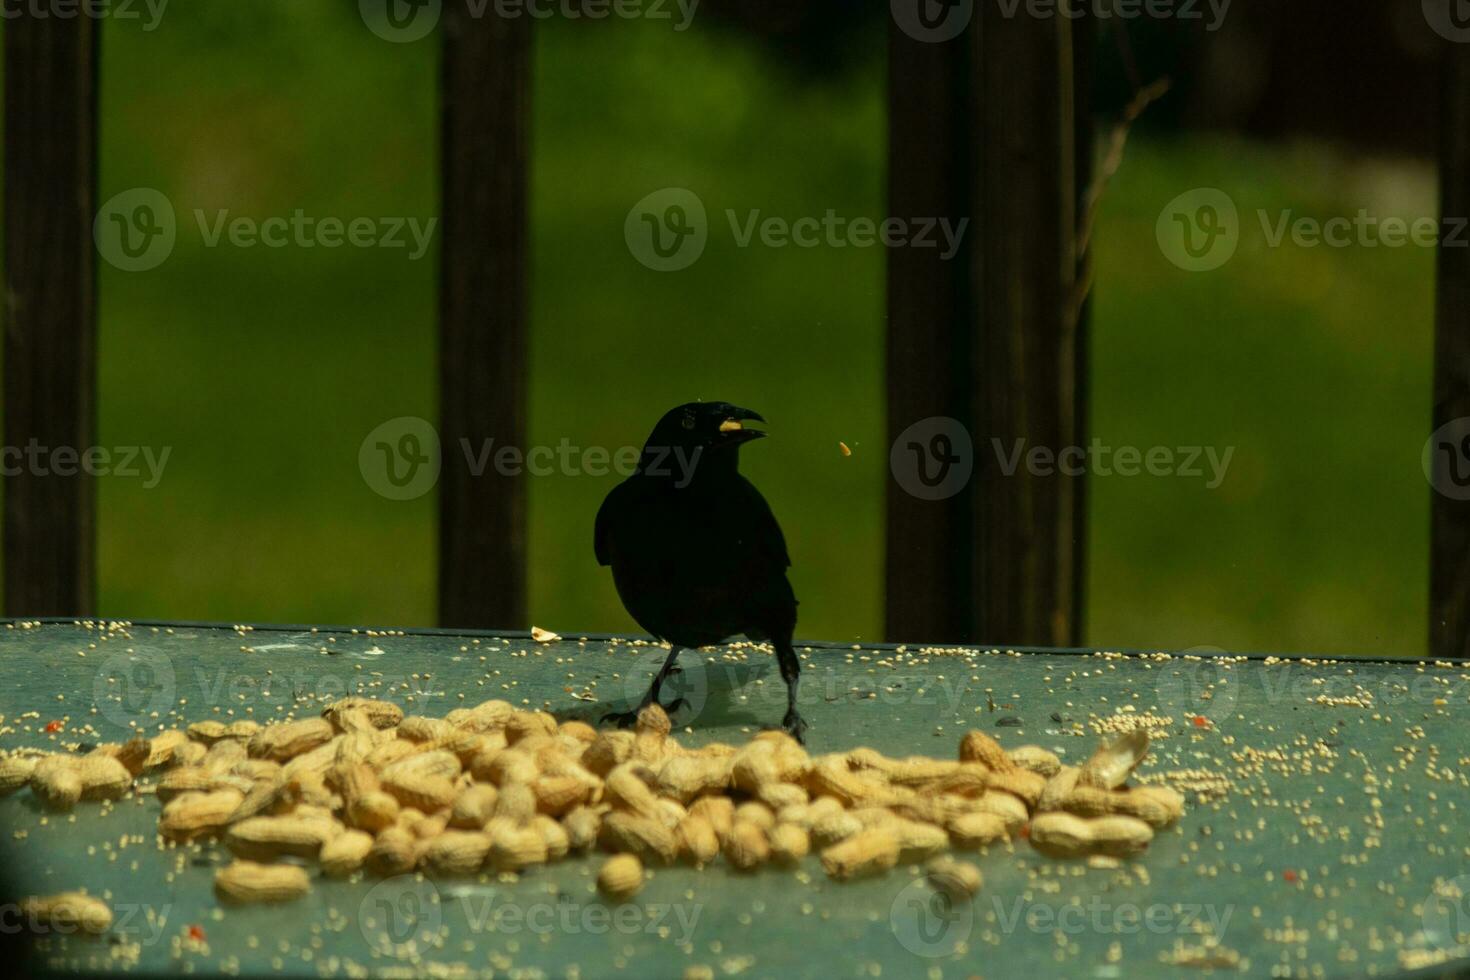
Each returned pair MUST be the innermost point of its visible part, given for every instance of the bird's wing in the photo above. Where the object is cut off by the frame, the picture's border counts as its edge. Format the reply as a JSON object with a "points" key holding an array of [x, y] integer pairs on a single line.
{"points": [[742, 518], [758, 526], [614, 505], [600, 531]]}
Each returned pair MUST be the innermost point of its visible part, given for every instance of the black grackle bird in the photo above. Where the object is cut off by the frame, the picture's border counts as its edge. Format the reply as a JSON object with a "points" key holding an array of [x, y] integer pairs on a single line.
{"points": [[697, 556]]}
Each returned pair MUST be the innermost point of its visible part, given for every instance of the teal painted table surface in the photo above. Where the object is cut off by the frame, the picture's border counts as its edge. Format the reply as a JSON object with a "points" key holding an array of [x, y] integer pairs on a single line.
{"points": [[1325, 832]]}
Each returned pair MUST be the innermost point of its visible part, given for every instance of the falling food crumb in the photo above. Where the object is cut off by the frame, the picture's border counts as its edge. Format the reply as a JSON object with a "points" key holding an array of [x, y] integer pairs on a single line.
{"points": [[845, 451], [543, 636]]}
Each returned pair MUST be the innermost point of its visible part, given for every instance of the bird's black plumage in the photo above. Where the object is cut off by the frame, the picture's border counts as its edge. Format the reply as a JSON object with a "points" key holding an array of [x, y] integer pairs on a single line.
{"points": [[696, 554]]}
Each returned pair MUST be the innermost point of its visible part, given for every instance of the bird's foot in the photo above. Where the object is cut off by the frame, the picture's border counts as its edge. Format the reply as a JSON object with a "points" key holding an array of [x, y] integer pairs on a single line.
{"points": [[623, 719], [627, 719], [794, 725]]}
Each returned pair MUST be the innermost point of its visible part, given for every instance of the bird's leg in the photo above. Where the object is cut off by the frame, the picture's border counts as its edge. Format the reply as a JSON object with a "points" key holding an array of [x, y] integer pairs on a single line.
{"points": [[793, 723], [625, 719], [669, 668]]}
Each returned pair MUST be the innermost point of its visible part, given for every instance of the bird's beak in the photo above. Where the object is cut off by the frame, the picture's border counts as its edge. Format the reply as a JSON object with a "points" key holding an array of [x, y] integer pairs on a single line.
{"points": [[734, 429]]}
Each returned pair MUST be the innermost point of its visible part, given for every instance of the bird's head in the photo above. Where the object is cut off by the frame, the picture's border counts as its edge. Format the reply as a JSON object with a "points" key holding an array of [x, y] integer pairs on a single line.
{"points": [[712, 430]]}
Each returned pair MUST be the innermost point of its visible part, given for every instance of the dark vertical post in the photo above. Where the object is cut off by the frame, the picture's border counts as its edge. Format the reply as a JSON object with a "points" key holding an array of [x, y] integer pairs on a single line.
{"points": [[1026, 365], [1449, 551], [986, 127], [50, 304], [930, 323], [482, 519], [1084, 37]]}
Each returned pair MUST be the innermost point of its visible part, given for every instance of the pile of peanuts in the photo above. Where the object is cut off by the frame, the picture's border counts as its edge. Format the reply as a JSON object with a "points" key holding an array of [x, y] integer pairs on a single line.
{"points": [[498, 789]]}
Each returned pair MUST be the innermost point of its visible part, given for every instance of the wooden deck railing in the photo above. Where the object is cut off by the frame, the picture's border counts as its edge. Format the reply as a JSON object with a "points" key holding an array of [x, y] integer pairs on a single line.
{"points": [[1449, 559], [992, 126], [993, 338], [50, 296], [482, 314]]}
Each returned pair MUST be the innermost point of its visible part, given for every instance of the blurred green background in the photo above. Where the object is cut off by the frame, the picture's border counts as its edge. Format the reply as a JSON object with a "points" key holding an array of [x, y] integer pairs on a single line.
{"points": [[264, 369]]}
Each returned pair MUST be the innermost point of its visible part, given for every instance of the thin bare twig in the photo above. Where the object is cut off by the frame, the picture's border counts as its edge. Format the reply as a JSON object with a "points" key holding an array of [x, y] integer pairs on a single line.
{"points": [[1111, 161]]}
